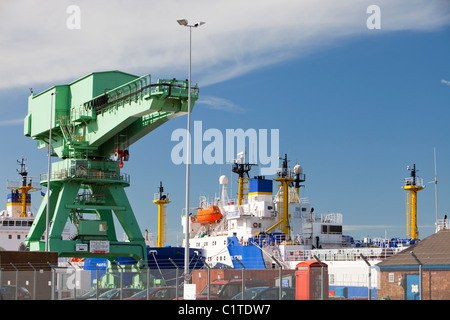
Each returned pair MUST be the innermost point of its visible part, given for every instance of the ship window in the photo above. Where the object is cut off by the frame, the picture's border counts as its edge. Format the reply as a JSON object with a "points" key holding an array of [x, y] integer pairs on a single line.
{"points": [[269, 207], [18, 236], [9, 236], [11, 223], [335, 229]]}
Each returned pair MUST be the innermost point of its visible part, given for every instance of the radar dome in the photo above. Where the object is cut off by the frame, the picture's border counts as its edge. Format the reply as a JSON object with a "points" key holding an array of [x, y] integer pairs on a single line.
{"points": [[223, 179], [298, 169]]}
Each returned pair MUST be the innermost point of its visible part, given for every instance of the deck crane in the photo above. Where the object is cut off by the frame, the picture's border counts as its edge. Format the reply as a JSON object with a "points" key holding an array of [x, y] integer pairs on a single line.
{"points": [[93, 121]]}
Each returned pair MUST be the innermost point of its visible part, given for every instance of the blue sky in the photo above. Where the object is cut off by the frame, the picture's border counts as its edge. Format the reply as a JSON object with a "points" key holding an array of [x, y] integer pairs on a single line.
{"points": [[353, 106]]}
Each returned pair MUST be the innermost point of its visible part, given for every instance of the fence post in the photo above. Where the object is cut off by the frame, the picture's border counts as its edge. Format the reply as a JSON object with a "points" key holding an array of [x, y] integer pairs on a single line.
{"points": [[243, 277], [209, 276], [121, 279], [176, 279], [370, 276], [17, 279], [280, 276], [96, 286], [420, 274], [322, 290], [52, 281], [34, 280]]}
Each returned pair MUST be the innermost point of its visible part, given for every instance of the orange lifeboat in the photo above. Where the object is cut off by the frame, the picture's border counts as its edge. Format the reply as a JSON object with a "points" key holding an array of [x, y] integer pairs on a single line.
{"points": [[210, 215]]}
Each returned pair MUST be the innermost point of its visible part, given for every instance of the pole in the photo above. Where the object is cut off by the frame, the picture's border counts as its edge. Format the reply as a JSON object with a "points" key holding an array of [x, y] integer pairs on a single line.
{"points": [[280, 276], [370, 277], [209, 277], [96, 286], [188, 160], [420, 273], [49, 169], [243, 277], [322, 291], [176, 278], [435, 188]]}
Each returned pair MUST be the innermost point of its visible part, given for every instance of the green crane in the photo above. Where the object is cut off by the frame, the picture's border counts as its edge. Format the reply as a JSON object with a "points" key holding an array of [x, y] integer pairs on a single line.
{"points": [[94, 120]]}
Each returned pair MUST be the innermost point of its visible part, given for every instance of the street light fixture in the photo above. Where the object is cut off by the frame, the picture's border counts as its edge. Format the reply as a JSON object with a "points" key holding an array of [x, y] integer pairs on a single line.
{"points": [[184, 23]]}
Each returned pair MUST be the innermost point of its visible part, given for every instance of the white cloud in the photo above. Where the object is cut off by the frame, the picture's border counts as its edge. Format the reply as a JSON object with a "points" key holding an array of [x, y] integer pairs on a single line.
{"points": [[143, 37], [220, 104], [445, 82]]}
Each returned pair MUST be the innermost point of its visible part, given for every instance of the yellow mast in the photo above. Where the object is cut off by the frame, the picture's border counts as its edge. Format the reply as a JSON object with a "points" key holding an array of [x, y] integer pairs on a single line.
{"points": [[24, 189], [413, 184], [161, 200], [242, 168], [285, 179]]}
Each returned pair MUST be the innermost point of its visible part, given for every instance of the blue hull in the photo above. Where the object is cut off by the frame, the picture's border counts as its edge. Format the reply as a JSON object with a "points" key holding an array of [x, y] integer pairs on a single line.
{"points": [[250, 256]]}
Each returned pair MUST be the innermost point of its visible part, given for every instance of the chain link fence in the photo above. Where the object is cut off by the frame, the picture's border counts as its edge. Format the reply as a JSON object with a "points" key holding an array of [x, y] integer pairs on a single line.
{"points": [[73, 282]]}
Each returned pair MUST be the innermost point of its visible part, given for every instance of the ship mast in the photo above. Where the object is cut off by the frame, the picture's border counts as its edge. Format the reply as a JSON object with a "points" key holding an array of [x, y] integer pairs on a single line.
{"points": [[24, 188], [413, 185], [242, 168], [161, 199]]}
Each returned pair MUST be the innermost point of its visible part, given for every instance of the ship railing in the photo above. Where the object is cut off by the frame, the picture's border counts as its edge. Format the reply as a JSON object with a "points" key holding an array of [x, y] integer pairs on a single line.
{"points": [[350, 254], [335, 218], [414, 181], [442, 224], [17, 184], [160, 196]]}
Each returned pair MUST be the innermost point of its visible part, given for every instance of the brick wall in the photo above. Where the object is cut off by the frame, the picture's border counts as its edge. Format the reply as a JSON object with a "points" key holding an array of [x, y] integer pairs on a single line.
{"points": [[435, 285]]}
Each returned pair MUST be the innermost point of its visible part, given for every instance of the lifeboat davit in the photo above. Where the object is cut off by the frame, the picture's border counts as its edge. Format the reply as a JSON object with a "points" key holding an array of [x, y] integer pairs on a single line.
{"points": [[210, 215]]}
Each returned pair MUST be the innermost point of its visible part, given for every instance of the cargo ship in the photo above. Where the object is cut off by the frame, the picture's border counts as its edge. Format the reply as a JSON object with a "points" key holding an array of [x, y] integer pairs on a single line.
{"points": [[268, 226]]}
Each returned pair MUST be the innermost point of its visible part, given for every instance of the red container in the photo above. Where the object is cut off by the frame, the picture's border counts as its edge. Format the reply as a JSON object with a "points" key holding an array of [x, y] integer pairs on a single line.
{"points": [[309, 281]]}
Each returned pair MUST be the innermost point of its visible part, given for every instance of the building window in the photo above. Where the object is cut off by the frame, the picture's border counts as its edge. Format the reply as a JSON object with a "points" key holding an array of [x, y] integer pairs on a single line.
{"points": [[391, 277], [10, 236]]}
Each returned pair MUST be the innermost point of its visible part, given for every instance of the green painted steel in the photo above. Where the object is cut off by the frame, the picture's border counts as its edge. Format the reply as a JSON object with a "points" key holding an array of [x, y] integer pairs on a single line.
{"points": [[94, 121]]}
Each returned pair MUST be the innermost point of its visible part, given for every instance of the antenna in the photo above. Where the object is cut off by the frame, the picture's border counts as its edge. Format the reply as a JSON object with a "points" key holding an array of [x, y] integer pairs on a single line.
{"points": [[435, 186]]}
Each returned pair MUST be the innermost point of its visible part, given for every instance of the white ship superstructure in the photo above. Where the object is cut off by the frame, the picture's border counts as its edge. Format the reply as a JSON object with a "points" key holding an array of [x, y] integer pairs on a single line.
{"points": [[267, 223], [16, 220]]}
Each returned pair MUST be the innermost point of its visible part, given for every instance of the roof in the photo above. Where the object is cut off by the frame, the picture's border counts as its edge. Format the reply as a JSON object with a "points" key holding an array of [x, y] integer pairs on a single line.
{"points": [[431, 251]]}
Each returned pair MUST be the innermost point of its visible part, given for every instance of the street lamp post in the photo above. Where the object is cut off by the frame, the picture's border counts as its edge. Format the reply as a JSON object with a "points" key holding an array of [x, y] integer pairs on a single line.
{"points": [[49, 169], [184, 22]]}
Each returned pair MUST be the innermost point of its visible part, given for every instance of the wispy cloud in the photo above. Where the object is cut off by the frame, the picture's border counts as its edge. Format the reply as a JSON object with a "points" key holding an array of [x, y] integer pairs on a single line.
{"points": [[12, 122], [445, 82], [143, 37], [220, 104]]}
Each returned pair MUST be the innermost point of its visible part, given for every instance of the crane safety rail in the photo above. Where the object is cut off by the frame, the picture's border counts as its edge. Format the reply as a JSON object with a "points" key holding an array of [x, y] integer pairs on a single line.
{"points": [[139, 89], [85, 174]]}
